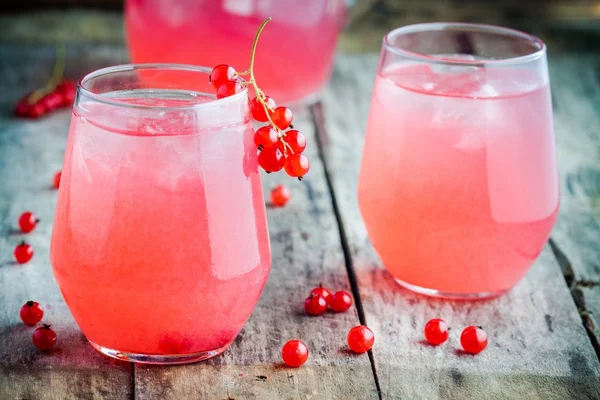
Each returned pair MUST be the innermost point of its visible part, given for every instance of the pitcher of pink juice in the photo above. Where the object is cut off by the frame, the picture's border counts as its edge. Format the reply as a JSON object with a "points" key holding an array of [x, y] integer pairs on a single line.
{"points": [[294, 58]]}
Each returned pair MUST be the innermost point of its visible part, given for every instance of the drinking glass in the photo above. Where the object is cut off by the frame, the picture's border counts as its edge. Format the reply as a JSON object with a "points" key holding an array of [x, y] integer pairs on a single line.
{"points": [[160, 243], [458, 186], [294, 56]]}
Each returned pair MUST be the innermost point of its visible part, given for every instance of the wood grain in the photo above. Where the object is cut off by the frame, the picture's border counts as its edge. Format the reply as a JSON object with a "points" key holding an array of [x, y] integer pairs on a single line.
{"points": [[576, 93], [538, 346], [306, 251], [30, 153]]}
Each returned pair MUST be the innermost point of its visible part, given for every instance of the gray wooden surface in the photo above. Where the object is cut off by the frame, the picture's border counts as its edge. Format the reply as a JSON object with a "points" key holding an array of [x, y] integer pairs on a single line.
{"points": [[542, 333]]}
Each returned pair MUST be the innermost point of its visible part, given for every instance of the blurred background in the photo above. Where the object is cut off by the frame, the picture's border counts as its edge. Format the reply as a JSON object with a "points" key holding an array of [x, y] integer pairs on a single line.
{"points": [[574, 21]]}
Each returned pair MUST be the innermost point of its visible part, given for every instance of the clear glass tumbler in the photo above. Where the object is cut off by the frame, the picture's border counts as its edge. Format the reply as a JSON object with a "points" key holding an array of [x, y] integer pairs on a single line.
{"points": [[458, 185], [160, 243], [294, 57]]}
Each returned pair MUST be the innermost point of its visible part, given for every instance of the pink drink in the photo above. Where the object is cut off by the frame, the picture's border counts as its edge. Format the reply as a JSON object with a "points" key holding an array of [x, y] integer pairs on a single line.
{"points": [[294, 57], [459, 187], [160, 243]]}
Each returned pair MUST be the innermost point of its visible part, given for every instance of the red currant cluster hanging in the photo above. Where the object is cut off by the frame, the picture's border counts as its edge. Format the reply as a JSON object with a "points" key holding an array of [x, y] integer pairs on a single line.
{"points": [[280, 145], [57, 93]]}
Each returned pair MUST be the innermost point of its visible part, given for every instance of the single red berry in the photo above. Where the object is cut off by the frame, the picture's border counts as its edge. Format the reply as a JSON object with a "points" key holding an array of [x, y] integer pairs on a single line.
{"points": [[360, 339], [436, 331], [282, 117], [294, 353], [32, 313], [473, 339], [258, 111], [23, 253], [297, 165], [315, 305], [280, 195], [44, 338], [228, 89], [221, 74], [52, 100], [36, 110], [22, 108], [296, 140], [28, 221], [340, 301], [265, 138], [67, 89], [56, 179], [271, 160], [323, 292]]}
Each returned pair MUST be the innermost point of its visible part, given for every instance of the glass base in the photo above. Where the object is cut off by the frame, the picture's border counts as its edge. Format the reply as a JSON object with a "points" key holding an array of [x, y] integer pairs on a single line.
{"points": [[163, 359], [449, 295]]}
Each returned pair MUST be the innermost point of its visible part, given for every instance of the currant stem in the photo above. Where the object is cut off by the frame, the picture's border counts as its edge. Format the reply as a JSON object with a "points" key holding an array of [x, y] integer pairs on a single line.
{"points": [[59, 68]]}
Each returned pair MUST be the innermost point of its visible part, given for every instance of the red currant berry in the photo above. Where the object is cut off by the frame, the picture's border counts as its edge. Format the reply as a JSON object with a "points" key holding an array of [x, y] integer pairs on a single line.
{"points": [[473, 339], [67, 89], [27, 221], [32, 313], [271, 160], [297, 165], [258, 111], [294, 353], [44, 338], [37, 110], [280, 195], [228, 89], [340, 301], [282, 117], [23, 253], [315, 305], [360, 339], [22, 108], [265, 138], [221, 74], [56, 180], [436, 331], [323, 292], [52, 100], [296, 140]]}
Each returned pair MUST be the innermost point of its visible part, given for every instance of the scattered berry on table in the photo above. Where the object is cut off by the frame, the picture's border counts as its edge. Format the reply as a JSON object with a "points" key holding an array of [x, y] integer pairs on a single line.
{"points": [[31, 313], [473, 339], [315, 305], [340, 301], [27, 222], [294, 353], [436, 331], [56, 180], [323, 292], [23, 252], [44, 338], [280, 195], [360, 339], [67, 89]]}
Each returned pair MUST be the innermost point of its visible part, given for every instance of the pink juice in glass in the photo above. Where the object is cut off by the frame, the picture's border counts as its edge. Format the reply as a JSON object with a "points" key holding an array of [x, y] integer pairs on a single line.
{"points": [[160, 244], [294, 57], [458, 187]]}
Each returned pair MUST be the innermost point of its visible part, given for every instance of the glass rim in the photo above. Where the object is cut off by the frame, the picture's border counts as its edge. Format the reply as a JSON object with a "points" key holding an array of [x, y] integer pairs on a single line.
{"points": [[460, 26], [154, 66]]}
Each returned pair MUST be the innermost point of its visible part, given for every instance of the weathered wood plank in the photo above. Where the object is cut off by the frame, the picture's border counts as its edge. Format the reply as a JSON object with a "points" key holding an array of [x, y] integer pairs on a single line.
{"points": [[538, 347], [30, 153], [306, 251], [576, 92]]}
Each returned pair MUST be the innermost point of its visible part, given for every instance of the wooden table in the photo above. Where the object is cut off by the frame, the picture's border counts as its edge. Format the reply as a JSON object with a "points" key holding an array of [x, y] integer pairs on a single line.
{"points": [[543, 337]]}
